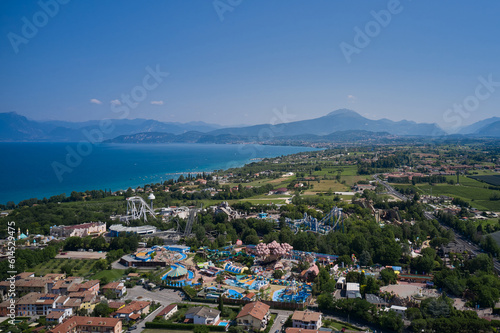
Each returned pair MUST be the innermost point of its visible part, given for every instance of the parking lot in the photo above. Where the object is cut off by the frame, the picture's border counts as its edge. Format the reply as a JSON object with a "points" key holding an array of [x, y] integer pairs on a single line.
{"points": [[165, 296]]}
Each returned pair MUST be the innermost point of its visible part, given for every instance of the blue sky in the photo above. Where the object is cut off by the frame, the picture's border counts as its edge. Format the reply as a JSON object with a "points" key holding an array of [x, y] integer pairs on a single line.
{"points": [[262, 55]]}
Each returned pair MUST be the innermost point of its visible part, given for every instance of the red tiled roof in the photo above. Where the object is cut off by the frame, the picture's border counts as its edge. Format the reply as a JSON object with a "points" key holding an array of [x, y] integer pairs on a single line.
{"points": [[167, 309], [76, 321], [133, 307], [255, 309]]}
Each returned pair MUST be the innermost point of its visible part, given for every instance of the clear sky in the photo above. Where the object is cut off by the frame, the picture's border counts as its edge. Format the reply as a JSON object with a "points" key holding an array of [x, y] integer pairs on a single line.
{"points": [[234, 61]]}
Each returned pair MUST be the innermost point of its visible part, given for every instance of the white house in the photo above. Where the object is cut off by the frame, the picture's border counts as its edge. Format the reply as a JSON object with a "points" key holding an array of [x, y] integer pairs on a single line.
{"points": [[203, 315], [57, 316], [306, 319]]}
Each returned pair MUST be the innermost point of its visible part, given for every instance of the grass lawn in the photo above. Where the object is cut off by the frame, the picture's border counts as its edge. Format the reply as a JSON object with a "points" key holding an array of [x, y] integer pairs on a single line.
{"points": [[78, 267], [336, 325], [351, 180], [470, 190], [326, 185], [111, 274]]}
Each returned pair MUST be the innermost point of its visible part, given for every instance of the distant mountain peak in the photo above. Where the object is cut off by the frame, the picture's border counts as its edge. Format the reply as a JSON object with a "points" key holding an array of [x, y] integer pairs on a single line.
{"points": [[343, 112]]}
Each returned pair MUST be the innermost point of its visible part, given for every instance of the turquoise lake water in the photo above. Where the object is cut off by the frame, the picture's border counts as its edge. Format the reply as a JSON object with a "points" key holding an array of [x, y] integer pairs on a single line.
{"points": [[38, 170]]}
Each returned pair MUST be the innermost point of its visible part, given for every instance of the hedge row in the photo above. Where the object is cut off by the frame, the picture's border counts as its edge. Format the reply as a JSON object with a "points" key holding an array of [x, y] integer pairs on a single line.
{"points": [[186, 327]]}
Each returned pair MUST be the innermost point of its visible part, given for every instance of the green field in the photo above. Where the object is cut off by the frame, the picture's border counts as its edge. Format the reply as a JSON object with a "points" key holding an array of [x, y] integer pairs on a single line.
{"points": [[78, 267], [470, 190], [264, 201], [489, 179], [111, 275]]}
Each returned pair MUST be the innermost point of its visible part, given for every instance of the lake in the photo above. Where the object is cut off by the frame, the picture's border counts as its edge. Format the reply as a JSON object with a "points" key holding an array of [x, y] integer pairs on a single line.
{"points": [[38, 170]]}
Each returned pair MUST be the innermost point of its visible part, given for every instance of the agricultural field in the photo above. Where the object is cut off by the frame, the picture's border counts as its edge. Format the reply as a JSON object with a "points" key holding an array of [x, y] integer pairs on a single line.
{"points": [[488, 179], [78, 267], [326, 185], [496, 237], [475, 192]]}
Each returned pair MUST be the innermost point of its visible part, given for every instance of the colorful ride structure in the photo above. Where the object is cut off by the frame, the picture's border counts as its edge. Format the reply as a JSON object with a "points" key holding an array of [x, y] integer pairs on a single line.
{"points": [[332, 221]]}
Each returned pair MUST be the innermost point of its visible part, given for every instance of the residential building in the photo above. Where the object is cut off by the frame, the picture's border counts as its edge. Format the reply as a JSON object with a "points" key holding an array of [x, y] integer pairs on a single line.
{"points": [[62, 286], [57, 316], [254, 315], [36, 304], [115, 305], [133, 310], [203, 315], [117, 288], [306, 319], [29, 285], [88, 299], [168, 311], [79, 324]]}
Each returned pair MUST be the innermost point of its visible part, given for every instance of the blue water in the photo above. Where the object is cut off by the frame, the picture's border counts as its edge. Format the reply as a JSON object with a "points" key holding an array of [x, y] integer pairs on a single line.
{"points": [[234, 294], [27, 169]]}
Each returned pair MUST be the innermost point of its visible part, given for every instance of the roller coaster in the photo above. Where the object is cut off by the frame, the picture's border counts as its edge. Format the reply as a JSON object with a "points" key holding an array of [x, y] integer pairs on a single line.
{"points": [[332, 221], [137, 208]]}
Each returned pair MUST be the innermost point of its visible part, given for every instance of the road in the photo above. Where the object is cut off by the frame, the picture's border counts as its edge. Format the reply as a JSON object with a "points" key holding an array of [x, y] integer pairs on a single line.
{"points": [[281, 315], [461, 240], [390, 189], [164, 297], [141, 325]]}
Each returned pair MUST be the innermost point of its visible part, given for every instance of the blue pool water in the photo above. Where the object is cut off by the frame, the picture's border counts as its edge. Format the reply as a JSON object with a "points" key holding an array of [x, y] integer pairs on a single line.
{"points": [[234, 294], [279, 296]]}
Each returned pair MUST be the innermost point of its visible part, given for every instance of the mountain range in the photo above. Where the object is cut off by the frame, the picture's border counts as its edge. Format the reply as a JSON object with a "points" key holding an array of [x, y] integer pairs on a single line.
{"points": [[336, 126], [14, 127]]}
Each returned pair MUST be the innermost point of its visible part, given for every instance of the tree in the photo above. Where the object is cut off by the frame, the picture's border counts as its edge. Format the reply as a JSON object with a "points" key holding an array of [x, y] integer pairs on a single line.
{"points": [[201, 329], [481, 263], [365, 258], [278, 274], [388, 276], [325, 301], [413, 313], [391, 320], [372, 286], [102, 310], [66, 269]]}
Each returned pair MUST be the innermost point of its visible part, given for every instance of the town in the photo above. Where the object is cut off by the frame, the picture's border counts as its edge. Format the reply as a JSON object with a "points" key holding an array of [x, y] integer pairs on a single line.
{"points": [[375, 238]]}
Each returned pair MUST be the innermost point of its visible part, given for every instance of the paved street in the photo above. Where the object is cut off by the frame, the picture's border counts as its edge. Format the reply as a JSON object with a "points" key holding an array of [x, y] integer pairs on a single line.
{"points": [[164, 297], [142, 324], [281, 315]]}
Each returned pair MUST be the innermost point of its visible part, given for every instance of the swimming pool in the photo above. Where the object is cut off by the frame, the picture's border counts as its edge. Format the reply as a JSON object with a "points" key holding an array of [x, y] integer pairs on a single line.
{"points": [[234, 294], [280, 296]]}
